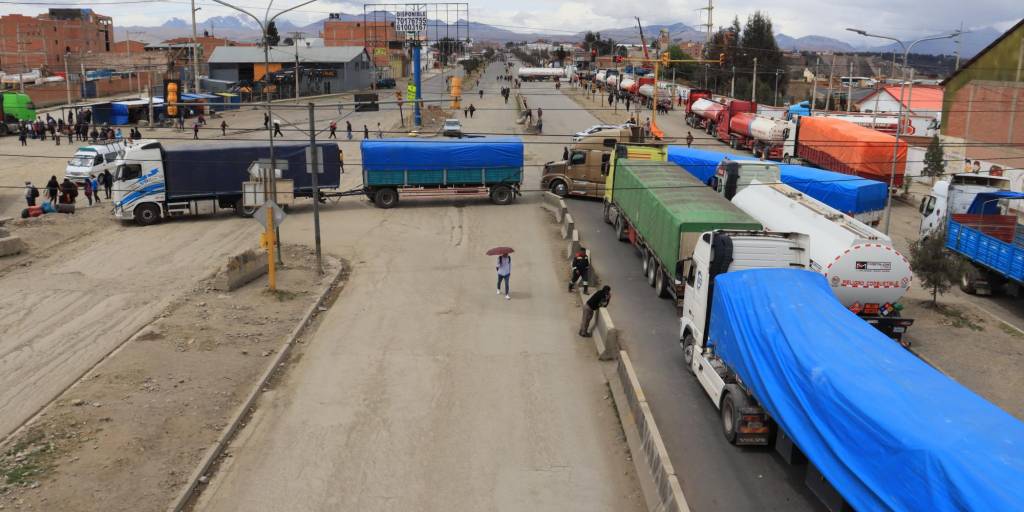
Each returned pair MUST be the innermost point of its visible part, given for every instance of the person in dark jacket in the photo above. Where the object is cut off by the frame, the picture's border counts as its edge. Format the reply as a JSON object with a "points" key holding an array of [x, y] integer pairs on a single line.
{"points": [[68, 192], [31, 193], [52, 190], [598, 300], [580, 269], [108, 182]]}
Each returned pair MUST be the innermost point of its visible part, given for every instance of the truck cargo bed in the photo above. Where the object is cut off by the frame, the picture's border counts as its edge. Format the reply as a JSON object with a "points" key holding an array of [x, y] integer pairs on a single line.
{"points": [[409, 162]]}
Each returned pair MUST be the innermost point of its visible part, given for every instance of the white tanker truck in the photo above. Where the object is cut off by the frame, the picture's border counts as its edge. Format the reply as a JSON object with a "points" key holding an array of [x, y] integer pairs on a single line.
{"points": [[534, 74], [866, 273]]}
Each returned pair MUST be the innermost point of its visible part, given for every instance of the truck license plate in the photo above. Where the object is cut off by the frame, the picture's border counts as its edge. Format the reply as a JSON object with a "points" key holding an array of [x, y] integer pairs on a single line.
{"points": [[899, 329]]}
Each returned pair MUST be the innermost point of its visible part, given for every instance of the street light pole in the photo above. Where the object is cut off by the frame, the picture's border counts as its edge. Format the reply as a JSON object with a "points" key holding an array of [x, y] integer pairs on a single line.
{"points": [[195, 53], [67, 77], [899, 116]]}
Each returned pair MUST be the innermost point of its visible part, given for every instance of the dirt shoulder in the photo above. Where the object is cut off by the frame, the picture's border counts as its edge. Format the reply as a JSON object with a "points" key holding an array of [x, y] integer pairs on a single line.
{"points": [[129, 433]]}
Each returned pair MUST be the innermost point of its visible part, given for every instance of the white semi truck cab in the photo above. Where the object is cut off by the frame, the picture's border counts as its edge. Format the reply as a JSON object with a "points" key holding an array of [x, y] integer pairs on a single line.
{"points": [[718, 252], [954, 196]]}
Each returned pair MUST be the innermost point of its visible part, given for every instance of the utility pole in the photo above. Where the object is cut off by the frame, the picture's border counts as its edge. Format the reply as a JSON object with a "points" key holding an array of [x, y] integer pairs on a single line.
{"points": [[195, 50], [775, 102], [732, 86], [67, 77], [958, 46], [814, 85], [315, 162], [295, 43], [831, 76], [753, 83], [149, 92], [710, 24], [849, 89], [128, 43]]}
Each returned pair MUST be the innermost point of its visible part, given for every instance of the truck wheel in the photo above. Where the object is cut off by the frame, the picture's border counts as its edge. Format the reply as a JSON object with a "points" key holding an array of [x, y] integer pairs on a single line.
{"points": [[968, 281], [645, 261], [688, 345], [386, 198], [652, 269], [730, 413], [147, 214], [660, 286], [502, 195], [620, 229], [244, 211], [559, 188]]}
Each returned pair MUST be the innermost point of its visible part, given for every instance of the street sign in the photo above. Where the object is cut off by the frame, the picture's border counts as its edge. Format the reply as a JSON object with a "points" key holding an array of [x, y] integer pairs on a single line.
{"points": [[410, 92], [319, 160], [261, 214], [410, 21]]}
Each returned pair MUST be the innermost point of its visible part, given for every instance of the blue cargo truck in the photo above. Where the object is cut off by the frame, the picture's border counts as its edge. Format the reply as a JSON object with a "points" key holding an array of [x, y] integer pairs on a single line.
{"points": [[154, 182], [491, 166], [990, 238]]}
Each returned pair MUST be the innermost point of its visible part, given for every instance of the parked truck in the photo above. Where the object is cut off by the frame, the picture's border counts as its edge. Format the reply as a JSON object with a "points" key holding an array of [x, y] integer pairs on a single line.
{"points": [[866, 273], [722, 125], [990, 238], [844, 147], [703, 112], [487, 166], [761, 135], [583, 174], [662, 210], [15, 108], [536, 74], [153, 182], [955, 195], [860, 198], [875, 427]]}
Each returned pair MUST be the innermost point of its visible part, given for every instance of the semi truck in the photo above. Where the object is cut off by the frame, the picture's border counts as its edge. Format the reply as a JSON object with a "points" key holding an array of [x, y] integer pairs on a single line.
{"points": [[662, 210], [484, 166], [761, 135], [721, 128], [535, 74], [955, 195], [15, 108], [154, 182], [866, 273], [703, 113], [844, 147], [990, 239], [859, 198], [873, 426], [583, 174]]}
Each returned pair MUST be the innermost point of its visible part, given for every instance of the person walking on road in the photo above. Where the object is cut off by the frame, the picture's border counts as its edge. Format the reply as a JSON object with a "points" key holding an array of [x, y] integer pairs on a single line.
{"points": [[348, 129], [540, 114], [31, 193], [366, 132], [87, 189], [23, 137], [689, 139], [266, 121], [94, 184], [472, 109], [334, 129], [598, 300], [223, 128], [504, 268], [277, 129], [68, 192], [195, 131], [52, 190], [481, 94], [380, 132], [540, 126], [108, 182], [580, 269]]}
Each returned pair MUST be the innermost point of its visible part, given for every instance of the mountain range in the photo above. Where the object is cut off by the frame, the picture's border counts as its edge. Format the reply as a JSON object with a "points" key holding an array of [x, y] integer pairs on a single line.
{"points": [[240, 28]]}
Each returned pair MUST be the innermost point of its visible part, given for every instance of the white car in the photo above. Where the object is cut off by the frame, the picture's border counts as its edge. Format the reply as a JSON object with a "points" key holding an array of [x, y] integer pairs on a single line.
{"points": [[593, 129], [452, 128]]}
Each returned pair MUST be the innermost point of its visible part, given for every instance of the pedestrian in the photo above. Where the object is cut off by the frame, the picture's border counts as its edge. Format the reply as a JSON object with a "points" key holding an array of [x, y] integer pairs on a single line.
{"points": [[380, 133], [52, 190], [504, 268], [472, 109], [266, 122], [689, 138], [108, 182], [540, 126], [647, 127], [23, 137], [68, 192], [195, 130], [465, 113], [366, 132], [31, 193], [223, 128], [277, 129], [334, 128], [87, 189], [70, 133], [95, 186], [56, 135], [202, 120], [118, 136], [565, 152], [540, 113], [580, 270], [598, 300], [94, 134], [348, 130], [481, 94]]}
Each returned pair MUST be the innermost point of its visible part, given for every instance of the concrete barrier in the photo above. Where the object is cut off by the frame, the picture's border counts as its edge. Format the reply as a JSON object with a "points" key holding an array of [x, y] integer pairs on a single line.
{"points": [[645, 440], [240, 270], [606, 336], [551, 201], [11, 245], [568, 226], [574, 244]]}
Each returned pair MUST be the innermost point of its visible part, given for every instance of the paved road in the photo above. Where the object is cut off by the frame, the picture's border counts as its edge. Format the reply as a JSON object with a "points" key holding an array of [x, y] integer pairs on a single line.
{"points": [[423, 390], [714, 475]]}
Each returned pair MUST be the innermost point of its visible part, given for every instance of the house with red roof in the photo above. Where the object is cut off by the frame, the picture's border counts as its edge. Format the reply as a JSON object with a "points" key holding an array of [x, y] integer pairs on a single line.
{"points": [[921, 103]]}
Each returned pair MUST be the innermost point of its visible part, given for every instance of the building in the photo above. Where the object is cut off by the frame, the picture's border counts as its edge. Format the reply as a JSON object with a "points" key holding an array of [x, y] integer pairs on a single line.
{"points": [[322, 70], [378, 37], [983, 109], [43, 41], [922, 104]]}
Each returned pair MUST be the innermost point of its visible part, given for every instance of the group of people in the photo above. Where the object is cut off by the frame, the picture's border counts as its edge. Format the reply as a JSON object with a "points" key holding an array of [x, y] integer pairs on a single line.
{"points": [[66, 192], [505, 92], [80, 131]]}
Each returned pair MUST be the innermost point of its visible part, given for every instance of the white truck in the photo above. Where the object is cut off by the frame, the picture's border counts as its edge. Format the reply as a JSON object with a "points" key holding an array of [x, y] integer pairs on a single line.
{"points": [[955, 196], [866, 273], [91, 161]]}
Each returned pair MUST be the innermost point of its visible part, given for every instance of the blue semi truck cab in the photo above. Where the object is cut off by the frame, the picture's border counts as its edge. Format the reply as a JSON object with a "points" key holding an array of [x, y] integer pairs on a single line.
{"points": [[991, 239], [491, 166]]}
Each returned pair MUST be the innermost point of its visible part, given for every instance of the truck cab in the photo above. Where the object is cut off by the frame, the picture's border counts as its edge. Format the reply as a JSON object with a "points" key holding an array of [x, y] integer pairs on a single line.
{"points": [[15, 108], [583, 174], [731, 176], [714, 253], [91, 161], [954, 196], [139, 187]]}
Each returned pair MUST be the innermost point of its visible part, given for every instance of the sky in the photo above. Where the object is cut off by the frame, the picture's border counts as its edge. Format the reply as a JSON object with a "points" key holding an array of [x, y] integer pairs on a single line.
{"points": [[796, 18]]}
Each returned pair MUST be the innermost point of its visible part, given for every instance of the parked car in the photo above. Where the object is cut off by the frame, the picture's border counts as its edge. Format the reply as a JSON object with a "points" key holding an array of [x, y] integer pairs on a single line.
{"points": [[593, 129], [452, 128], [386, 83]]}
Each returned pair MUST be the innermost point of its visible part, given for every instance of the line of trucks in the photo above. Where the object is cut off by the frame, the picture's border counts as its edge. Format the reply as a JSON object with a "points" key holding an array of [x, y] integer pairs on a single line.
{"points": [[763, 276], [154, 182]]}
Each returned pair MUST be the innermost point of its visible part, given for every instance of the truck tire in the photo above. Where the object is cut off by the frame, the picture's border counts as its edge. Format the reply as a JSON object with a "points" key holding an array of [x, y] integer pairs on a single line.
{"points": [[559, 188], [620, 229], [501, 194], [660, 284], [730, 414], [688, 344], [244, 211], [652, 270], [645, 261], [147, 214], [386, 198], [968, 281]]}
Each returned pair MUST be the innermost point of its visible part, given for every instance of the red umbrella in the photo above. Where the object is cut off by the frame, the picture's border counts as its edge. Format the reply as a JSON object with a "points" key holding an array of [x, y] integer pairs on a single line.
{"points": [[500, 251]]}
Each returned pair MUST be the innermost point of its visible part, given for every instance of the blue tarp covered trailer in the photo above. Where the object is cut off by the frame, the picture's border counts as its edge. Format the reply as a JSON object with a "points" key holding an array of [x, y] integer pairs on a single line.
{"points": [[887, 430], [847, 193], [442, 162]]}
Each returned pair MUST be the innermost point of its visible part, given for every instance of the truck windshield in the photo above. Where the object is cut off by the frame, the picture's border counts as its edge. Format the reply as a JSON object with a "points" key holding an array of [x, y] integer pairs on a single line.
{"points": [[128, 172], [81, 161]]}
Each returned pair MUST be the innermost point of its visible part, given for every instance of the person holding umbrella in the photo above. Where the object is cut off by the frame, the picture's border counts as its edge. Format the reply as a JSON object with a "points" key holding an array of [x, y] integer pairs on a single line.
{"points": [[503, 266]]}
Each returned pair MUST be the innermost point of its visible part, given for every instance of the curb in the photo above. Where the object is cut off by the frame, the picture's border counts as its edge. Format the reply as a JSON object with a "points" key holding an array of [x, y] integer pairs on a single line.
{"points": [[188, 492]]}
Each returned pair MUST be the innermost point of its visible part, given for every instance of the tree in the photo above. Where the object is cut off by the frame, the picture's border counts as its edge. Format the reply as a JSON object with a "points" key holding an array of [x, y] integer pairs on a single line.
{"points": [[759, 41], [936, 269], [684, 70], [934, 160], [272, 36], [448, 46], [561, 55]]}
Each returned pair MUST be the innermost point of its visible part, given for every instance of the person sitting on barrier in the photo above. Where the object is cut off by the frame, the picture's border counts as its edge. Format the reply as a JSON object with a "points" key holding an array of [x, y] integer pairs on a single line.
{"points": [[598, 300], [580, 270]]}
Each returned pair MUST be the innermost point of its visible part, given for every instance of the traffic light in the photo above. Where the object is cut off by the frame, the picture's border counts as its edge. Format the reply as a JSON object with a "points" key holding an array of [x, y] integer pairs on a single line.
{"points": [[664, 58], [593, 55], [172, 89], [721, 59]]}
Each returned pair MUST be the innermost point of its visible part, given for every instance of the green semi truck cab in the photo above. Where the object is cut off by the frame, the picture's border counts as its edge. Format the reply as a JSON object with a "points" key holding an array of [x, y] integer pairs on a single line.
{"points": [[14, 108]]}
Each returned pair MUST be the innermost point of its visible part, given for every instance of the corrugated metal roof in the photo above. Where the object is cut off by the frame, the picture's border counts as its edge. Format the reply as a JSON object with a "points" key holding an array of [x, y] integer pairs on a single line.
{"points": [[922, 98], [282, 54]]}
